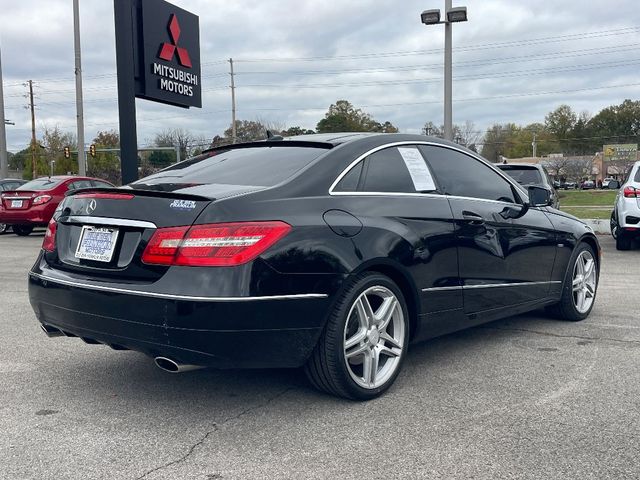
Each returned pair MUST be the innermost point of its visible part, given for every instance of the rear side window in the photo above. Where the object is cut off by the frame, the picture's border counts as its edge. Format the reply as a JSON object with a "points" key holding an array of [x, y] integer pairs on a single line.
{"points": [[460, 175], [636, 177], [97, 183], [385, 171], [349, 182], [253, 166], [523, 175]]}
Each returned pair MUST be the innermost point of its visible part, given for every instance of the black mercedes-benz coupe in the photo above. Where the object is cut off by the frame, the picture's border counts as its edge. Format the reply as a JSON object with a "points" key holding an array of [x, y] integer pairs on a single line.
{"points": [[333, 252]]}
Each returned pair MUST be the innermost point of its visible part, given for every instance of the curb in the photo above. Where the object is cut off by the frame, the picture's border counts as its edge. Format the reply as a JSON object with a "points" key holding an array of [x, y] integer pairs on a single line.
{"points": [[599, 226]]}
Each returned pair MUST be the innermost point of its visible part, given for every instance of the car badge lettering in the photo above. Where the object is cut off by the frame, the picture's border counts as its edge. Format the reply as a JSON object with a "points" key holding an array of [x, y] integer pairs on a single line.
{"points": [[183, 204], [168, 50], [91, 207]]}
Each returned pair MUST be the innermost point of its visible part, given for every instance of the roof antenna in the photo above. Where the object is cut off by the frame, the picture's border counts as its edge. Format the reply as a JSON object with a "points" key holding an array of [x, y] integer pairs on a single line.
{"points": [[271, 137]]}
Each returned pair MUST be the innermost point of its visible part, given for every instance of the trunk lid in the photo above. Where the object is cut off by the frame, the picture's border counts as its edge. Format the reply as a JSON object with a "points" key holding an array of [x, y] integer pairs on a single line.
{"points": [[19, 199], [104, 232]]}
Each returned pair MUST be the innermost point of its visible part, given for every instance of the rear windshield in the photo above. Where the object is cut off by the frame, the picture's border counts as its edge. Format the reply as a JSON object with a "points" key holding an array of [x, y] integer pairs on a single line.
{"points": [[41, 184], [251, 166], [524, 175]]}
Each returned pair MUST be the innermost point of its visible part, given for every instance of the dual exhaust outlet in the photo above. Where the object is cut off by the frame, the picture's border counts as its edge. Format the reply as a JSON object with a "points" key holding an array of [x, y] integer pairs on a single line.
{"points": [[163, 363]]}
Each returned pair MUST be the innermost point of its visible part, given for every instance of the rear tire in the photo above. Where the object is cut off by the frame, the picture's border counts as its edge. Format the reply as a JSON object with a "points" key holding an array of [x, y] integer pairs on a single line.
{"points": [[579, 287], [613, 225], [362, 348], [22, 230]]}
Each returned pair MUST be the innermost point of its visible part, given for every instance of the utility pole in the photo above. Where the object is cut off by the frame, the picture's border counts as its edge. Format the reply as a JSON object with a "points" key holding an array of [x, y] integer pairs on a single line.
{"points": [[448, 77], [4, 161], [33, 132], [233, 103], [534, 144], [82, 163]]}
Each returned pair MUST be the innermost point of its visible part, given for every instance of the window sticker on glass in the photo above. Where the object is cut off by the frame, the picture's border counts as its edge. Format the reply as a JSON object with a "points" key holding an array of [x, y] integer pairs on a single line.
{"points": [[420, 174]]}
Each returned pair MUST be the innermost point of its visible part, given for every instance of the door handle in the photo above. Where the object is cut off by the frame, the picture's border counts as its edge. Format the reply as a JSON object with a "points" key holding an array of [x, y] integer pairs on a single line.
{"points": [[472, 217]]}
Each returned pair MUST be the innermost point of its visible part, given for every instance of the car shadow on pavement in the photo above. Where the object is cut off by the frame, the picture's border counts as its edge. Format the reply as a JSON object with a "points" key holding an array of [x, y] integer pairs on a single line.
{"points": [[101, 373]]}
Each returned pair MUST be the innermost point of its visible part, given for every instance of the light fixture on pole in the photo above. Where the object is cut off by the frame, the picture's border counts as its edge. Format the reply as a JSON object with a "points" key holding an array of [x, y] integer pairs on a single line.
{"points": [[452, 15]]}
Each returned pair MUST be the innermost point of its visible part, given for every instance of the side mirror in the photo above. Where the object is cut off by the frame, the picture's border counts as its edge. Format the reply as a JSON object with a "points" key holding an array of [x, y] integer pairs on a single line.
{"points": [[539, 196], [613, 185]]}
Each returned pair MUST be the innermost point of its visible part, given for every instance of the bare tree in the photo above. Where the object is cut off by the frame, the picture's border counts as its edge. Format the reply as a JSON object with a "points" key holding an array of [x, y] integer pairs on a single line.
{"points": [[577, 168], [176, 137]]}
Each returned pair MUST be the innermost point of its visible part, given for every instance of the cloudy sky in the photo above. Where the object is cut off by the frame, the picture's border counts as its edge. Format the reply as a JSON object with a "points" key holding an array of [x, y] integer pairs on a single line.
{"points": [[514, 61]]}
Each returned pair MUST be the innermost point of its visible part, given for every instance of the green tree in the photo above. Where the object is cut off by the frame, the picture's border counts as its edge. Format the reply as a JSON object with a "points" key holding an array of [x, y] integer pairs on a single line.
{"points": [[105, 165], [616, 124], [247, 131], [561, 123], [295, 131], [342, 116]]}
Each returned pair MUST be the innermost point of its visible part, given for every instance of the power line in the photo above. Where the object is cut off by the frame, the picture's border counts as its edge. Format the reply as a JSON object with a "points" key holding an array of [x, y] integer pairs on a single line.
{"points": [[534, 41]]}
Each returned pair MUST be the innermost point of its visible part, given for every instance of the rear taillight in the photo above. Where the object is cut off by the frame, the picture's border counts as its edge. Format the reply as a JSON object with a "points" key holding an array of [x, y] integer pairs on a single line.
{"points": [[219, 244], [630, 192], [49, 242], [41, 200], [163, 246]]}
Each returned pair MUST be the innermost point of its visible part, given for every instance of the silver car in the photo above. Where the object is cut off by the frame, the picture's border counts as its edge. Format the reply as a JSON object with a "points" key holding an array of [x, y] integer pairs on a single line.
{"points": [[625, 218]]}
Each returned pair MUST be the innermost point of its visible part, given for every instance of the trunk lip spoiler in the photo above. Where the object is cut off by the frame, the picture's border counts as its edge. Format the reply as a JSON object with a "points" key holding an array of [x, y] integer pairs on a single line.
{"points": [[141, 193]]}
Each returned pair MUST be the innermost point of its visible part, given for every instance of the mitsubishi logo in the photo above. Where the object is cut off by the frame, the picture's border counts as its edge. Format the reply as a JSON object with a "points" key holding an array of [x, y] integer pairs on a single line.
{"points": [[167, 50]]}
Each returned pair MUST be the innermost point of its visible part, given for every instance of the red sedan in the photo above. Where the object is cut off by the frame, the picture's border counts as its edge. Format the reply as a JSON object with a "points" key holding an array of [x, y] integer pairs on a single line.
{"points": [[32, 204]]}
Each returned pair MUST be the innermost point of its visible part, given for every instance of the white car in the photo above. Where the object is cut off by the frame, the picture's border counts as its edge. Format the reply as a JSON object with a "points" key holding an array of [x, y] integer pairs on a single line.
{"points": [[625, 218], [606, 181]]}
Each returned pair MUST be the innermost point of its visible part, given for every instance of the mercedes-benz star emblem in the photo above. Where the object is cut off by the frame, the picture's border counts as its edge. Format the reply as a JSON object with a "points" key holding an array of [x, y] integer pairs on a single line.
{"points": [[91, 206]]}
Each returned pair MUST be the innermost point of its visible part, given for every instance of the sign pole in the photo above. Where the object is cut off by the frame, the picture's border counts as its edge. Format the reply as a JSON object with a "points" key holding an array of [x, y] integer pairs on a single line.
{"points": [[124, 20]]}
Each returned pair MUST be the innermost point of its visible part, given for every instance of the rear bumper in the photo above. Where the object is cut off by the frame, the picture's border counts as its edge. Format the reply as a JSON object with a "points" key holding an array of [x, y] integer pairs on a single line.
{"points": [[34, 216], [629, 214], [233, 332]]}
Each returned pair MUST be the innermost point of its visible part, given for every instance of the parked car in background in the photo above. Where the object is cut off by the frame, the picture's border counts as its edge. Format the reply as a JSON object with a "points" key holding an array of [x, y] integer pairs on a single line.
{"points": [[32, 204], [625, 217], [8, 184], [606, 181], [329, 251], [531, 174], [588, 185], [568, 185]]}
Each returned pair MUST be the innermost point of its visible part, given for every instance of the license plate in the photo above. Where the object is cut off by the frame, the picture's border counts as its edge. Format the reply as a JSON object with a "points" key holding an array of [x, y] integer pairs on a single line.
{"points": [[16, 203], [97, 244]]}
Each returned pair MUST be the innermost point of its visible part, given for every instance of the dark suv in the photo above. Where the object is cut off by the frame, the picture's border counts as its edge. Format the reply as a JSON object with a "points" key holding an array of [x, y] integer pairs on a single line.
{"points": [[531, 174]]}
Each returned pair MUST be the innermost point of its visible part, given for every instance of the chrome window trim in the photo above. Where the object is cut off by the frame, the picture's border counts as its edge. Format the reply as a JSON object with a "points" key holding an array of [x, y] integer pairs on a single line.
{"points": [[168, 296], [114, 222], [19, 198], [489, 285], [509, 180]]}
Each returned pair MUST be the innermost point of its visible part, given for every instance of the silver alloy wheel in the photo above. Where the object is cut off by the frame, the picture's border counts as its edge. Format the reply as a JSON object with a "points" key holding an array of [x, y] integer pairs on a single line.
{"points": [[614, 227], [3, 227], [374, 337], [584, 281]]}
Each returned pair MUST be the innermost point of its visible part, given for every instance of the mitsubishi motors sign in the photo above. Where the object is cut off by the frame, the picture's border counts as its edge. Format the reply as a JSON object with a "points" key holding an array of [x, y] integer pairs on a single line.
{"points": [[169, 57]]}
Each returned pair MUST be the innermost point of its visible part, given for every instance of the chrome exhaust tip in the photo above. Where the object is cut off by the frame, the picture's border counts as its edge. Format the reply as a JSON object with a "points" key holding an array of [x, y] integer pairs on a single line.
{"points": [[171, 366], [50, 331]]}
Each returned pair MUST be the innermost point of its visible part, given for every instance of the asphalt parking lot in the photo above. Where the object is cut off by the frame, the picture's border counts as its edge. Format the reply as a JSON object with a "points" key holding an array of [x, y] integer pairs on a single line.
{"points": [[525, 397]]}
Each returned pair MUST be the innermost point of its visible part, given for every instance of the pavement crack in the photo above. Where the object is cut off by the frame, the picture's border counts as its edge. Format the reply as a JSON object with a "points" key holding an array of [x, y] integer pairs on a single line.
{"points": [[558, 335], [216, 427]]}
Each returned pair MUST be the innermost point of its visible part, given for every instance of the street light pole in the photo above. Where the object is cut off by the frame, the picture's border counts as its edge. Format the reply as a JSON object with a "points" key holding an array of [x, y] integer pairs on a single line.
{"points": [[448, 77], [82, 163], [451, 15]]}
